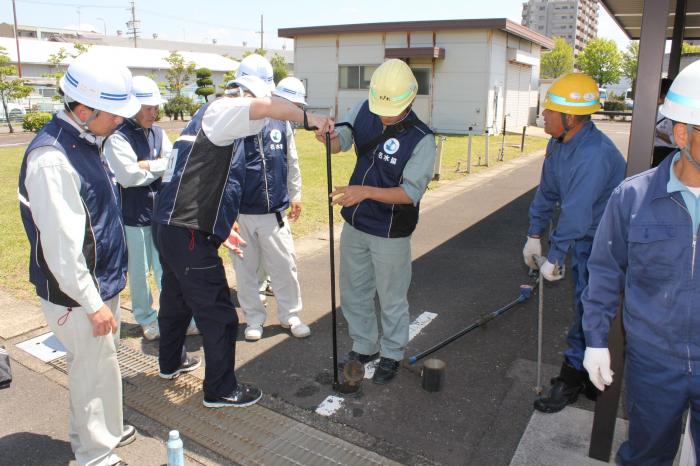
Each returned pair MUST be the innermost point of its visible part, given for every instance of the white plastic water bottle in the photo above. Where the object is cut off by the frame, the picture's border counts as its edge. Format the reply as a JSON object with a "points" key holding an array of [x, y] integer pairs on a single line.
{"points": [[176, 456]]}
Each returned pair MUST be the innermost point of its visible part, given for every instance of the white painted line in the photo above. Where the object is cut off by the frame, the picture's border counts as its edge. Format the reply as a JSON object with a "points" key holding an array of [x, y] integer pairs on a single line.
{"points": [[333, 403], [14, 144], [420, 323], [330, 405], [45, 347]]}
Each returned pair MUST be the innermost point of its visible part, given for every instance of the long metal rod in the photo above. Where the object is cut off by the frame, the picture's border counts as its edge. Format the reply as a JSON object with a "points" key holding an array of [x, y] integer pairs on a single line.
{"points": [[540, 317], [331, 247], [525, 293]]}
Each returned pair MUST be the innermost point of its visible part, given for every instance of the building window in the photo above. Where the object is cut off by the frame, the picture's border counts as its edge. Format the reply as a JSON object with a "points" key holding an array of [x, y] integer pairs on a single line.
{"points": [[423, 77], [356, 76]]}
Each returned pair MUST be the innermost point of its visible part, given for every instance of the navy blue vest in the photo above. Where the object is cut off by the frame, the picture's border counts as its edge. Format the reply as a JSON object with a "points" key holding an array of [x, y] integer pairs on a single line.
{"points": [[202, 190], [104, 247], [265, 170], [137, 201], [382, 166]]}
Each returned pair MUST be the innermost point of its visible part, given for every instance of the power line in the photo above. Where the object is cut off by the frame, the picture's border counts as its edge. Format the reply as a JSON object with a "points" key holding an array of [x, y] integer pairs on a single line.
{"points": [[74, 5]]}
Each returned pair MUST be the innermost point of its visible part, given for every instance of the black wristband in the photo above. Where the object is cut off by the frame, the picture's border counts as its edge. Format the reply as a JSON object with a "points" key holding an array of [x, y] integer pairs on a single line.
{"points": [[306, 121]]}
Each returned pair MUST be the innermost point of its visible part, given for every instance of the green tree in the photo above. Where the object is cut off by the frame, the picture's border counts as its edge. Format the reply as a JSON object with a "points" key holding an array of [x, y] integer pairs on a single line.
{"points": [[558, 61], [228, 76], [179, 74], [279, 67], [205, 86], [10, 86], [630, 59], [601, 60]]}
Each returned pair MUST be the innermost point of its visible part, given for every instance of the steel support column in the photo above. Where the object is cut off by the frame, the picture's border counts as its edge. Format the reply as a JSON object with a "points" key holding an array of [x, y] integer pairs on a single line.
{"points": [[674, 61], [651, 53]]}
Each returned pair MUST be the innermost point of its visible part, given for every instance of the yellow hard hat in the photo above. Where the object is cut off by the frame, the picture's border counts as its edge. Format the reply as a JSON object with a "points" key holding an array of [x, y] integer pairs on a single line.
{"points": [[573, 93], [392, 88]]}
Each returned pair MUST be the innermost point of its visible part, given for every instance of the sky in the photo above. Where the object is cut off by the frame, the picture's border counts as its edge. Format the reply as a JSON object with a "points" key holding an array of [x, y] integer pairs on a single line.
{"points": [[234, 22]]}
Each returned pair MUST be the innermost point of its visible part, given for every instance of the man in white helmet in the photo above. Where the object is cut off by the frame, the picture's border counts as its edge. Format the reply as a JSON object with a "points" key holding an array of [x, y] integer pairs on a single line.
{"points": [[137, 153], [272, 185], [69, 208], [645, 250], [194, 214], [395, 160]]}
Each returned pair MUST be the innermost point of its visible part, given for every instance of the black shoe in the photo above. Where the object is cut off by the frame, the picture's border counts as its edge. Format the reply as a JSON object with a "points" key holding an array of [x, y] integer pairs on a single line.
{"points": [[385, 371], [243, 395], [128, 436], [363, 358], [190, 364], [564, 390]]}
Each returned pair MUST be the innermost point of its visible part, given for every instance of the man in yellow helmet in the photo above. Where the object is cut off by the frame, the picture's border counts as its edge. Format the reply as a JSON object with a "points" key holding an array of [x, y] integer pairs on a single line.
{"points": [[581, 168], [395, 160]]}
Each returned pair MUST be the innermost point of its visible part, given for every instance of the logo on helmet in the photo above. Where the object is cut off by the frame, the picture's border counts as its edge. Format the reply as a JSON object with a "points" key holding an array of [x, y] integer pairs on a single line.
{"points": [[275, 135], [391, 146]]}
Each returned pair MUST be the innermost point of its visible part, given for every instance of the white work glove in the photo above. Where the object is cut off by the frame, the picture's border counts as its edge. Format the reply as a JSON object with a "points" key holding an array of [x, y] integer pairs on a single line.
{"points": [[533, 247], [551, 272], [597, 363]]}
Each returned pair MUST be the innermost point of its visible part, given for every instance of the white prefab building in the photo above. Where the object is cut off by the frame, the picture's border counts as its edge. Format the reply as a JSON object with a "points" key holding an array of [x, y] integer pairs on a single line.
{"points": [[471, 73]]}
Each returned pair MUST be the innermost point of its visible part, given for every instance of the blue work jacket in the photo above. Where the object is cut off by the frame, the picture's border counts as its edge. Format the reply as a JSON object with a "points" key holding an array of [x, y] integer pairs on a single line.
{"points": [[646, 247], [579, 175]]}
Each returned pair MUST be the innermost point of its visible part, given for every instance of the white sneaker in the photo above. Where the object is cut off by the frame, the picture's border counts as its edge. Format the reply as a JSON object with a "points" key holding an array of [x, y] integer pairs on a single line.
{"points": [[151, 331], [253, 333], [192, 329], [299, 329]]}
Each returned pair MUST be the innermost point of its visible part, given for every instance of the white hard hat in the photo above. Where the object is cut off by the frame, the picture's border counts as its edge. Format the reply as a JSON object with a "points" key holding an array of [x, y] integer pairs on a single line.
{"points": [[255, 85], [682, 103], [257, 65], [100, 84], [146, 90], [231, 87], [292, 89]]}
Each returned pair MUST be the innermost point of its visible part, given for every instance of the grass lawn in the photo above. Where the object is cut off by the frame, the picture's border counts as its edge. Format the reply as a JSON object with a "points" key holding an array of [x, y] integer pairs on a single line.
{"points": [[15, 249]]}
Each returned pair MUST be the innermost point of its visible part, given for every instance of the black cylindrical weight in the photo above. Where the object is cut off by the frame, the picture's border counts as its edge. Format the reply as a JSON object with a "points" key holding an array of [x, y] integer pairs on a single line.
{"points": [[433, 375]]}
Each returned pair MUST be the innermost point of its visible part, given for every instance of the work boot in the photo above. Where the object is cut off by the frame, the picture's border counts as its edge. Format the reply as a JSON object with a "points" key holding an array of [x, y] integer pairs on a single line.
{"points": [[563, 391], [385, 371]]}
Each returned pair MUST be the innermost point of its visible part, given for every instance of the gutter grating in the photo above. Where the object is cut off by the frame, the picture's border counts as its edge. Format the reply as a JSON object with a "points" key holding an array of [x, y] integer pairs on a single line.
{"points": [[251, 436]]}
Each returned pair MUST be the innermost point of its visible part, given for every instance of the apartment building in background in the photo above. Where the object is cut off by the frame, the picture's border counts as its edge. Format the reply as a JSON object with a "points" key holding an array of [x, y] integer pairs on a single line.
{"points": [[574, 20]]}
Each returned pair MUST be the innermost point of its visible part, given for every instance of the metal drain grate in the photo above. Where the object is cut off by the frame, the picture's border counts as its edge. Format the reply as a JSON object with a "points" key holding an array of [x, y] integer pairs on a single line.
{"points": [[250, 436]]}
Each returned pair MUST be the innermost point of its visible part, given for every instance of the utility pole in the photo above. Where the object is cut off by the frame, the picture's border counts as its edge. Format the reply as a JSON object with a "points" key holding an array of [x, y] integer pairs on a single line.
{"points": [[134, 26], [19, 61], [261, 32]]}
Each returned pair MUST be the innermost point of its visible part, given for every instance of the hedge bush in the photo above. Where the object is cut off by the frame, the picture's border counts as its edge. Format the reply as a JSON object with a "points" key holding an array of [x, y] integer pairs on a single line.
{"points": [[614, 106], [34, 121]]}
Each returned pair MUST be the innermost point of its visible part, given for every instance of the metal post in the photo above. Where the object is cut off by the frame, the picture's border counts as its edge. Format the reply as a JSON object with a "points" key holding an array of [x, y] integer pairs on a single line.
{"points": [[469, 150], [651, 53], [522, 140], [438, 158], [641, 142], [486, 154], [674, 60]]}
